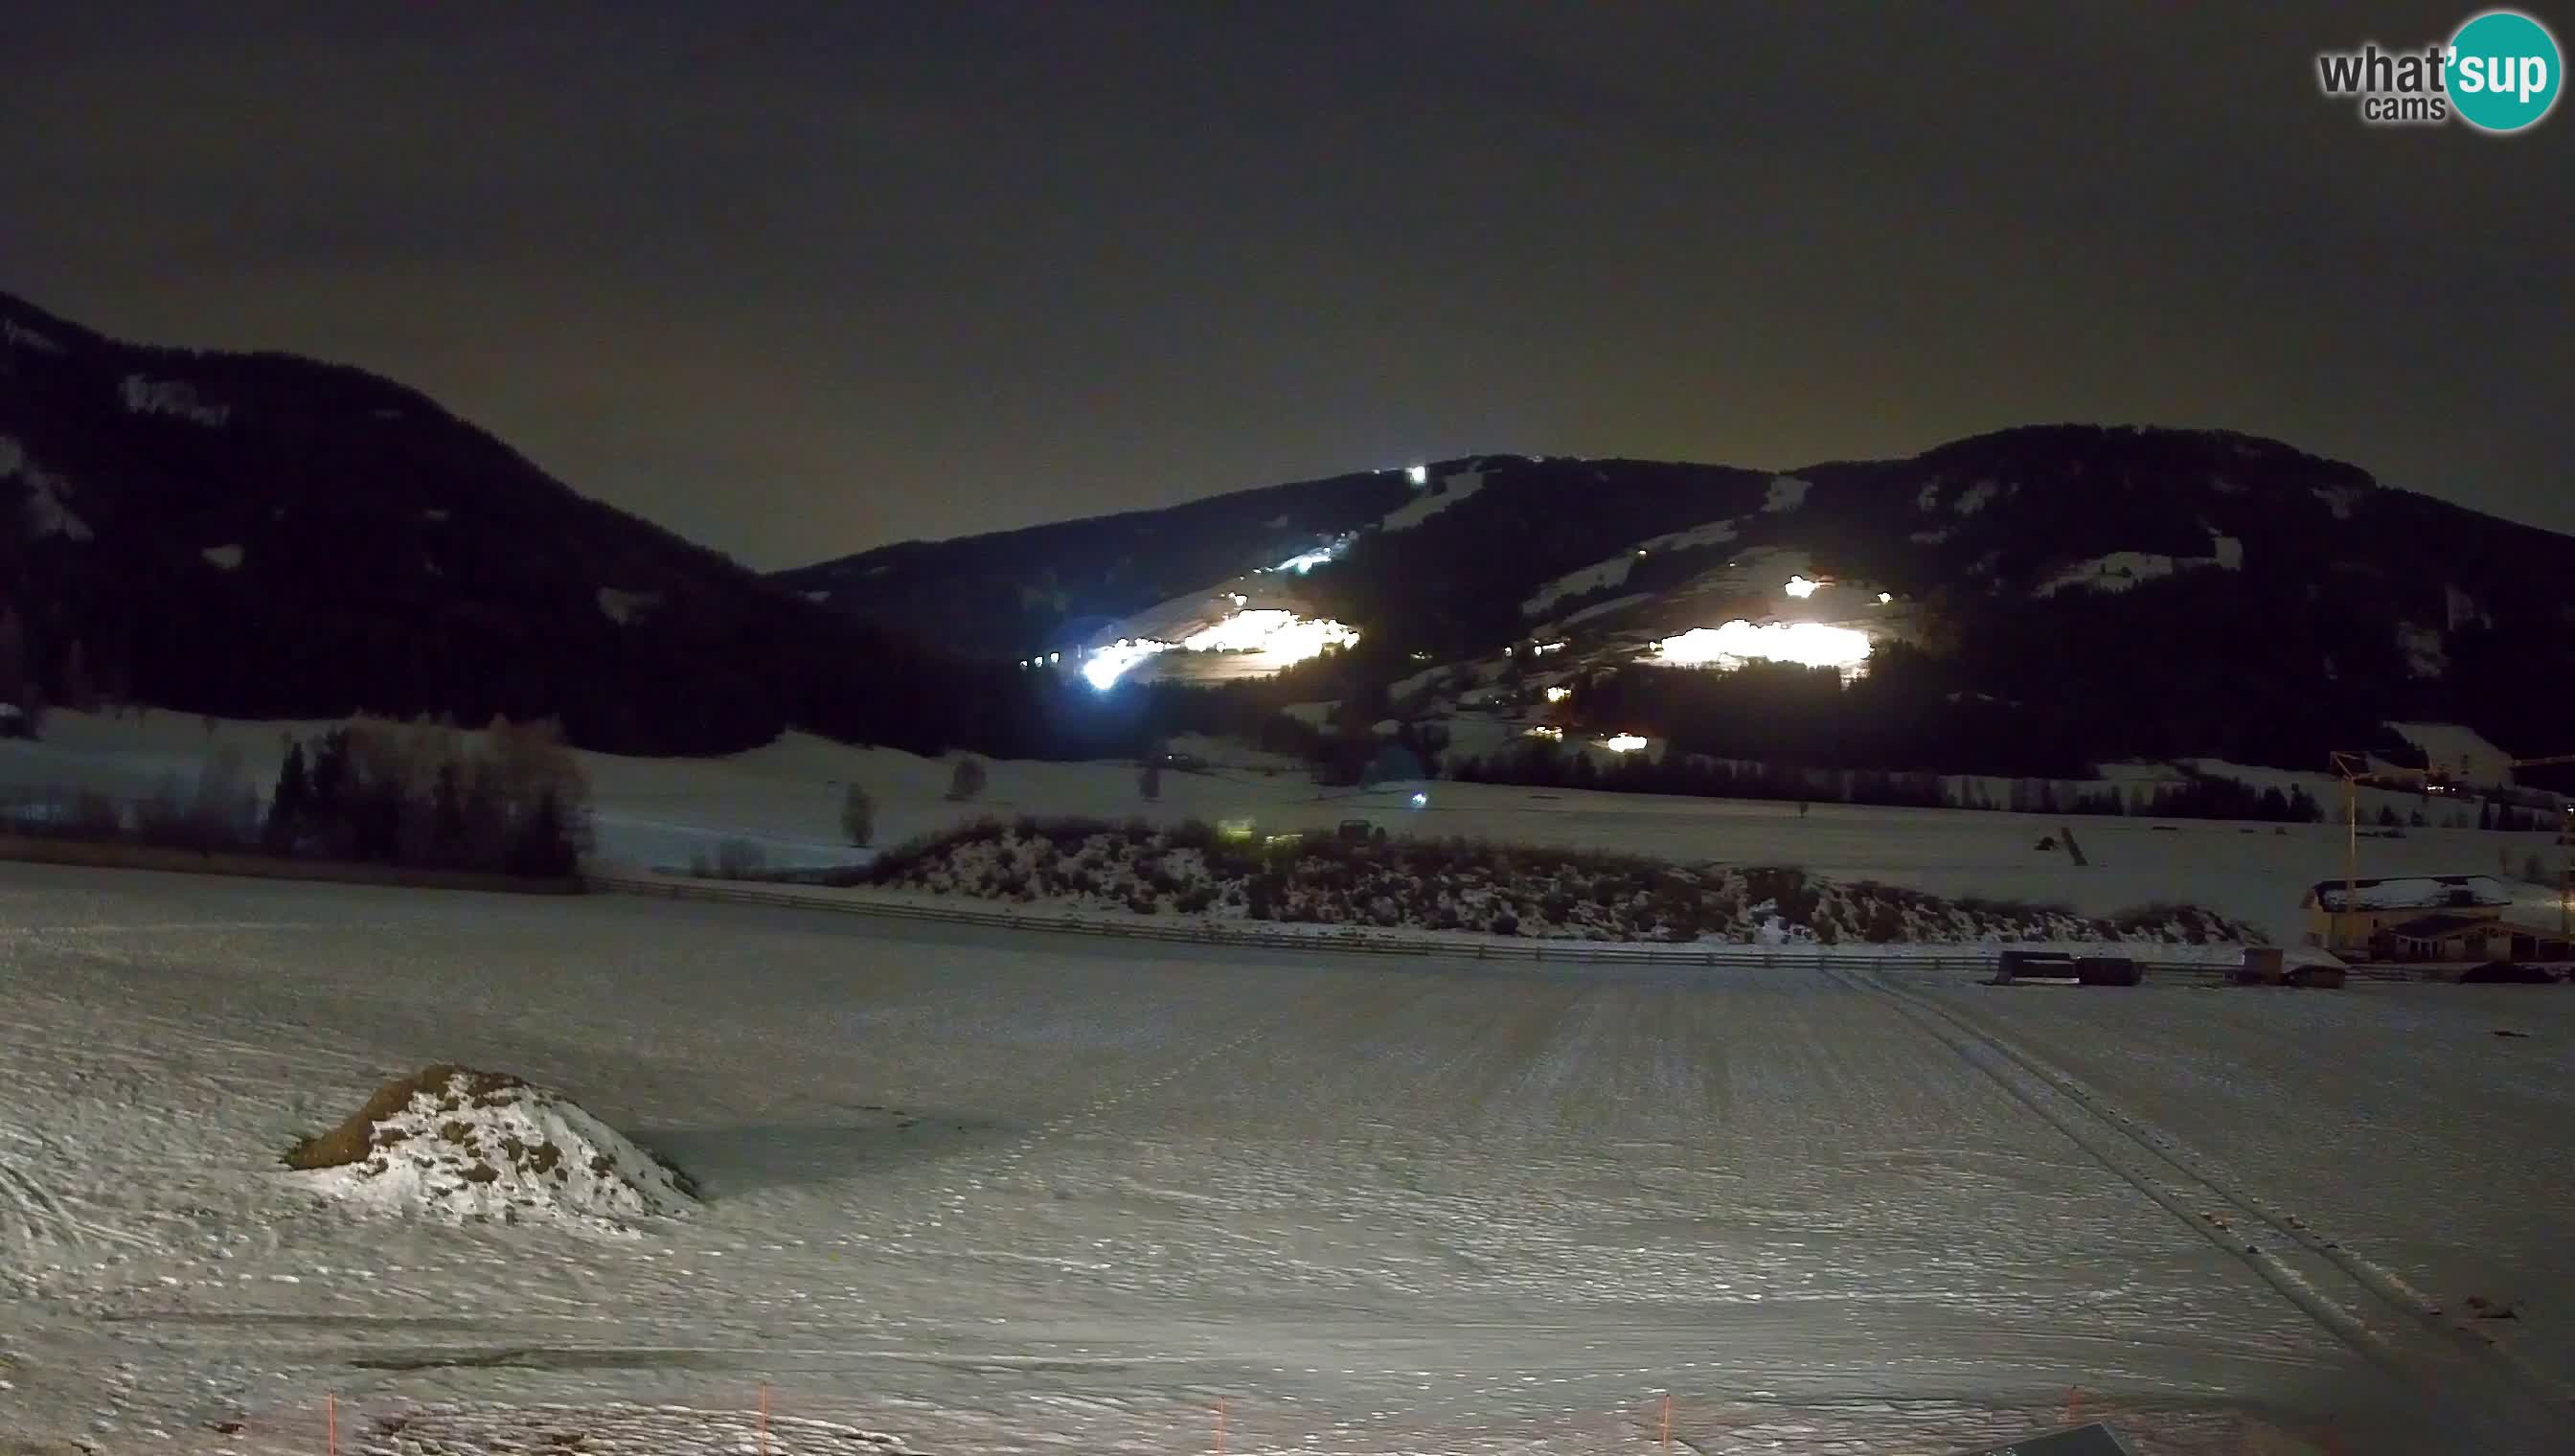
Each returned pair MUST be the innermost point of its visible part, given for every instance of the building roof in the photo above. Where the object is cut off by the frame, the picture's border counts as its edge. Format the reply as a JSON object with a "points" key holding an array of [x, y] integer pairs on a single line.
{"points": [[2442, 928], [2410, 893]]}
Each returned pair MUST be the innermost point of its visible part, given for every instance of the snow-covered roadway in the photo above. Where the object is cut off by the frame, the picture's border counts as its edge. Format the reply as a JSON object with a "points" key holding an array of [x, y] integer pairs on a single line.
{"points": [[994, 1192]]}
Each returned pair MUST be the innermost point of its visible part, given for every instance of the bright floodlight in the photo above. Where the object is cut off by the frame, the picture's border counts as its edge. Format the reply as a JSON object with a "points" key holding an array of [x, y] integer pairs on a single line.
{"points": [[1307, 561], [1810, 643], [1420, 474], [1800, 587], [1624, 743], [1885, 597], [1558, 695], [1107, 662], [1420, 799]]}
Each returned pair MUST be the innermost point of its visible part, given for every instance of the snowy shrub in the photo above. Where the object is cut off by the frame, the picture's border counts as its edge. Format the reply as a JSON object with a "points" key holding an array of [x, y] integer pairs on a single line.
{"points": [[739, 858], [95, 813], [162, 818], [967, 779], [1885, 923], [1460, 883]]}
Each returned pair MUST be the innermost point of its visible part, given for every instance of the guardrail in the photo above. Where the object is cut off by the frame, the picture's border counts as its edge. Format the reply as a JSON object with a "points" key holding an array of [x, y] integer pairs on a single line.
{"points": [[1361, 941]]}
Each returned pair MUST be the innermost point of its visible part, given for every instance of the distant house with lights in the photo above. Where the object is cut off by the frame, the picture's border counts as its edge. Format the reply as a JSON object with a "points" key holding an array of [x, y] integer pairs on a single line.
{"points": [[2424, 919]]}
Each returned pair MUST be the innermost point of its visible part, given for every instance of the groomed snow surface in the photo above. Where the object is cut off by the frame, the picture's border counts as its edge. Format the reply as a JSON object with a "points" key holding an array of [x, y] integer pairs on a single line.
{"points": [[992, 1192]]}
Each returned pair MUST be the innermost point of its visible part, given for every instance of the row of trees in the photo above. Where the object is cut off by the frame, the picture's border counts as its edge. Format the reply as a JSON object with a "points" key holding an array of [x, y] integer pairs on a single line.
{"points": [[510, 800]]}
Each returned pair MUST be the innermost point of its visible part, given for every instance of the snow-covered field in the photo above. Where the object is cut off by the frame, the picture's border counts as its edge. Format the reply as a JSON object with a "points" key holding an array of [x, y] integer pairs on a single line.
{"points": [[986, 1192], [786, 797]]}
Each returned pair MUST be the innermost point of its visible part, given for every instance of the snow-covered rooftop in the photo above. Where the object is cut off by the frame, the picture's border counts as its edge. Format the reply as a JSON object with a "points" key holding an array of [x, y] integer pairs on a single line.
{"points": [[2412, 892]]}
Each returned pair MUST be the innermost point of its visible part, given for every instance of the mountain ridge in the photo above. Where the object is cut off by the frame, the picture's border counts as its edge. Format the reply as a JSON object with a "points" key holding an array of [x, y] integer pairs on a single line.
{"points": [[2049, 567], [260, 535]]}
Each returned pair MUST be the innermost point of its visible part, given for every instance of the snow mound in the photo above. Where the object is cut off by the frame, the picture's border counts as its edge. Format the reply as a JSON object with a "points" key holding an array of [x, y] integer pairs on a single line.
{"points": [[450, 1142]]}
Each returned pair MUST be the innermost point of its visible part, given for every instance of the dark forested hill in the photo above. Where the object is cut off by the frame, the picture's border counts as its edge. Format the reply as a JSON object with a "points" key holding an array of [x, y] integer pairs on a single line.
{"points": [[2101, 592], [258, 535]]}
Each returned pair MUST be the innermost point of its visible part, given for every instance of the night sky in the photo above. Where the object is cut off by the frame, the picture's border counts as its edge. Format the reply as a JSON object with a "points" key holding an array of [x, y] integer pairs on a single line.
{"points": [[797, 279]]}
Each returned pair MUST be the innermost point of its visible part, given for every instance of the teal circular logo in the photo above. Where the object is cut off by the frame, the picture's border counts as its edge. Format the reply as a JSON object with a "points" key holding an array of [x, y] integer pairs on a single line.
{"points": [[2504, 71]]}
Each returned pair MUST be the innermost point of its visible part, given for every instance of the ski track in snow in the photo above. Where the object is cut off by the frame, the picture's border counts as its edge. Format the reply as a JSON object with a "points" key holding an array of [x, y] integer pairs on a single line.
{"points": [[996, 1193]]}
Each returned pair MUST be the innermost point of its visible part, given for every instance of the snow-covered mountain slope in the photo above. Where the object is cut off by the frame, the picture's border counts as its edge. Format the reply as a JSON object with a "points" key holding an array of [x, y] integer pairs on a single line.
{"points": [[2050, 568], [266, 536]]}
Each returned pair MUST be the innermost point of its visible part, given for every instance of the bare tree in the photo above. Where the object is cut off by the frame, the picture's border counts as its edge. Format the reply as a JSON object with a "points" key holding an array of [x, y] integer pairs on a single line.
{"points": [[858, 817]]}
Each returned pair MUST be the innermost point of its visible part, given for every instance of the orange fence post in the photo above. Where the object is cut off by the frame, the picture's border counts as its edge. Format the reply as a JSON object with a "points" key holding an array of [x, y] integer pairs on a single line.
{"points": [[1219, 1426], [331, 1424], [763, 1418], [1668, 1420]]}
